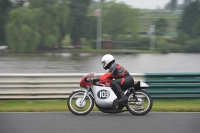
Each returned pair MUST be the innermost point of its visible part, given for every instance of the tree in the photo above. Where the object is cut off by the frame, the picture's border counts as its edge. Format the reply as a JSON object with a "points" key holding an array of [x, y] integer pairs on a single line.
{"points": [[19, 3], [78, 17], [173, 5], [196, 30], [5, 6], [22, 30], [186, 2], [41, 25], [161, 26], [190, 17], [90, 28], [53, 21], [119, 18], [167, 6]]}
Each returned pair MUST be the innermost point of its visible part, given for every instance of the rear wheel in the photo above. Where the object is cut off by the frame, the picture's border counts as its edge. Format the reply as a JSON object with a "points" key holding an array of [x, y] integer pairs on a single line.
{"points": [[139, 103], [78, 106]]}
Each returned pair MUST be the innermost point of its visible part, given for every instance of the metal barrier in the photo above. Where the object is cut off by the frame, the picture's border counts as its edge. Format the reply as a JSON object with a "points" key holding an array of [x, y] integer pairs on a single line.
{"points": [[42, 86], [174, 85], [59, 86]]}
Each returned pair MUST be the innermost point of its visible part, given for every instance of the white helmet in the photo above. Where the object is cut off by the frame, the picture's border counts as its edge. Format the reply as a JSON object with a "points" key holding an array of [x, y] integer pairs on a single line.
{"points": [[107, 60]]}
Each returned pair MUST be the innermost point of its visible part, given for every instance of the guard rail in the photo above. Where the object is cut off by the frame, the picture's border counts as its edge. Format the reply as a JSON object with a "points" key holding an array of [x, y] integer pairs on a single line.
{"points": [[59, 86]]}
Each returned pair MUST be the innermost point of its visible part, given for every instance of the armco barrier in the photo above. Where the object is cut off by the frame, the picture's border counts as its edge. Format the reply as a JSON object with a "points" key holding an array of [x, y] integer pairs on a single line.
{"points": [[174, 85], [59, 86], [42, 86]]}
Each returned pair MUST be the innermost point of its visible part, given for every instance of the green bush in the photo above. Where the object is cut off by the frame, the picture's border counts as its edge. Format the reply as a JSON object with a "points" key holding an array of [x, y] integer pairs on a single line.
{"points": [[193, 46], [182, 38], [144, 43], [84, 42], [163, 46], [177, 48], [66, 42], [161, 26], [167, 44], [92, 44]]}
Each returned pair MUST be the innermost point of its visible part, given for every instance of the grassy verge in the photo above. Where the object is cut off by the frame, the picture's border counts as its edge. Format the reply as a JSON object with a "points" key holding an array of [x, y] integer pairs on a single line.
{"points": [[189, 105]]}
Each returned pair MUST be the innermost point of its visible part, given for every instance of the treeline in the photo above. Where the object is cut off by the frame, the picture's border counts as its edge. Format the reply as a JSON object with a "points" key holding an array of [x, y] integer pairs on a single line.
{"points": [[188, 29], [52, 23], [186, 36], [45, 24]]}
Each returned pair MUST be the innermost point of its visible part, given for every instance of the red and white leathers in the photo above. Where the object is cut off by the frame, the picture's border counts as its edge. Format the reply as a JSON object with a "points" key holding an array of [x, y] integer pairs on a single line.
{"points": [[123, 80]]}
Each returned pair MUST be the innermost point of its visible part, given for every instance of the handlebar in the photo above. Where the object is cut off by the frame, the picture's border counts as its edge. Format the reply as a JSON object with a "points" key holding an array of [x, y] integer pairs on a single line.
{"points": [[93, 81]]}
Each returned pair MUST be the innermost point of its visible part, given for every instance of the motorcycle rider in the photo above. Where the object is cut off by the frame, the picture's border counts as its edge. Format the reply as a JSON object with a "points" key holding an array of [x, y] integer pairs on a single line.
{"points": [[123, 80]]}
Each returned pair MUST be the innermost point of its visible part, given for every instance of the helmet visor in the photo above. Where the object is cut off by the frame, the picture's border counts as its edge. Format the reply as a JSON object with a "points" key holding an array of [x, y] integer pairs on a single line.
{"points": [[103, 63]]}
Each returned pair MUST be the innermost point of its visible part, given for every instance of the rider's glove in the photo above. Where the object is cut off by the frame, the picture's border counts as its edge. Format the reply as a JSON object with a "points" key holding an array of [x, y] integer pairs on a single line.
{"points": [[95, 80]]}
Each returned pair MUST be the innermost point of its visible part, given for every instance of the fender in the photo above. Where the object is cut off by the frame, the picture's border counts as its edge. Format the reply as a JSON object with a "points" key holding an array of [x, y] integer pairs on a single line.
{"points": [[83, 91], [140, 85]]}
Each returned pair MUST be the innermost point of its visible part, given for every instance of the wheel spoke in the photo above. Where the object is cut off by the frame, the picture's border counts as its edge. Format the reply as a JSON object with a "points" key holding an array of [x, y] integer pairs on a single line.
{"points": [[78, 105], [139, 103]]}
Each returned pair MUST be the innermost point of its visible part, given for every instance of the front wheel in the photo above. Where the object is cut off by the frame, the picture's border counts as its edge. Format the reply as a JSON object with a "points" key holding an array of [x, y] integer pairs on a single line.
{"points": [[78, 106], [139, 102]]}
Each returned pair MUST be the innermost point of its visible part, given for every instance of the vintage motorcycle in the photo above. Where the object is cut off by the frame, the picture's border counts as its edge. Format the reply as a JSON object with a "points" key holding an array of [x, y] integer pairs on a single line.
{"points": [[81, 101]]}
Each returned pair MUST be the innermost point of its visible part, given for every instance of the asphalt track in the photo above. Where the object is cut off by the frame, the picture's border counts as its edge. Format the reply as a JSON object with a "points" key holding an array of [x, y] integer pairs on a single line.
{"points": [[96, 122]]}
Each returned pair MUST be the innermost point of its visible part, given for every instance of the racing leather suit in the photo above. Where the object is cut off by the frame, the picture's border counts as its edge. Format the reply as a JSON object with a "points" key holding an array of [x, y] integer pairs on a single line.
{"points": [[123, 80]]}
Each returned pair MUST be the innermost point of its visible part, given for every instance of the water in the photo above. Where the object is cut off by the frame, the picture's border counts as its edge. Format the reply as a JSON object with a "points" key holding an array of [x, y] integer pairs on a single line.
{"points": [[85, 62]]}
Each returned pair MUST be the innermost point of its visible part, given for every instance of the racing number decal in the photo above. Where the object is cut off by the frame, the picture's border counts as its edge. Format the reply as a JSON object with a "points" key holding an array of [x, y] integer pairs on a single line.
{"points": [[103, 94]]}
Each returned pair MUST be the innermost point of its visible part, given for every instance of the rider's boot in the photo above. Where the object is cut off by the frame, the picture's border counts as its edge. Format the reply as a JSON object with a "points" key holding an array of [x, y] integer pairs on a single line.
{"points": [[123, 98], [120, 94]]}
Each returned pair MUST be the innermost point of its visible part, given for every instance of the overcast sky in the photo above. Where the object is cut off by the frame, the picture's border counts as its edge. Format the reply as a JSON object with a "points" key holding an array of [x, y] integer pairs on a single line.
{"points": [[148, 4]]}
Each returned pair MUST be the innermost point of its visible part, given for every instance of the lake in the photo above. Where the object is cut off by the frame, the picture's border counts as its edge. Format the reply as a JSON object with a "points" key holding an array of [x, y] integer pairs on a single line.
{"points": [[86, 62]]}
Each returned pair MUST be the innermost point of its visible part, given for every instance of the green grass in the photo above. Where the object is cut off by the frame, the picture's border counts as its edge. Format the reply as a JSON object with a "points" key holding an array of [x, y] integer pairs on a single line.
{"points": [[148, 18], [146, 22], [190, 105]]}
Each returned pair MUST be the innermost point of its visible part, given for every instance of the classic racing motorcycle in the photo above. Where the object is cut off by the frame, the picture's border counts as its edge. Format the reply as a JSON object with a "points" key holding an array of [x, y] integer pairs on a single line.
{"points": [[81, 102]]}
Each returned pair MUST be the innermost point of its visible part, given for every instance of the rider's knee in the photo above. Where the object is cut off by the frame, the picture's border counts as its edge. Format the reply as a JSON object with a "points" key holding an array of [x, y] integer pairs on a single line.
{"points": [[113, 83]]}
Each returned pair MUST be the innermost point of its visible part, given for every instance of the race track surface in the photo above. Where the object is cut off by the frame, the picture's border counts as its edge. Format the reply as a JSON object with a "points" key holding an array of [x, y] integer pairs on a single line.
{"points": [[96, 122]]}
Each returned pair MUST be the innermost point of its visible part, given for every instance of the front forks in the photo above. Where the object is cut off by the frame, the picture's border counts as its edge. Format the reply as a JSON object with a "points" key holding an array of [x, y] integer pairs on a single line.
{"points": [[85, 94]]}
